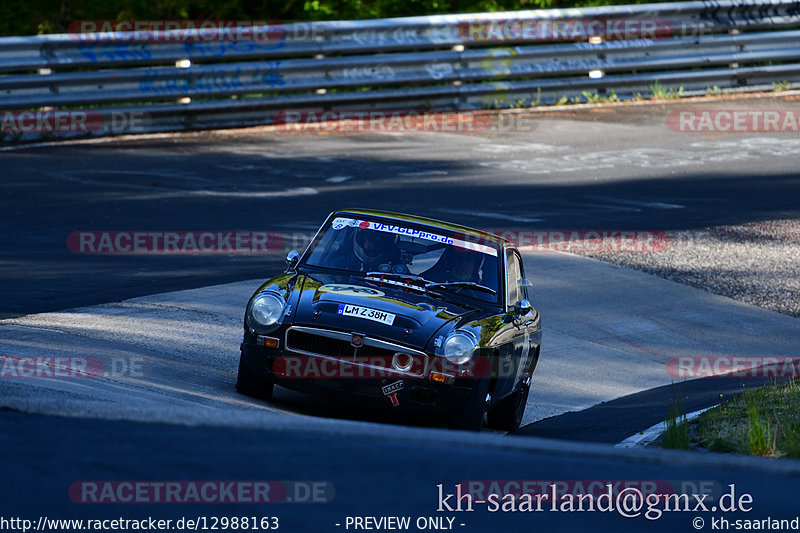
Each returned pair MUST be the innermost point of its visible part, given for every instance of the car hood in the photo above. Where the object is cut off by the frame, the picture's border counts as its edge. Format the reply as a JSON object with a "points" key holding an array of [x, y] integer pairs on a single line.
{"points": [[418, 317]]}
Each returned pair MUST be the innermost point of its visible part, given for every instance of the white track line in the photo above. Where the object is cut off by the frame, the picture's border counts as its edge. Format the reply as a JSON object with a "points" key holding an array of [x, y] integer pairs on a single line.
{"points": [[94, 140], [652, 433]]}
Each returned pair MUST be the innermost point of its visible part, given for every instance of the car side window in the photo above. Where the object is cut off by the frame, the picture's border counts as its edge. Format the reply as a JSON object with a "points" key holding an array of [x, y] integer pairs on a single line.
{"points": [[516, 290], [512, 260]]}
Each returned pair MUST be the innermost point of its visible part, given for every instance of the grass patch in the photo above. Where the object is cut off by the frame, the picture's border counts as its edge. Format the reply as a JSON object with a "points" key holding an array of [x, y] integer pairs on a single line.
{"points": [[763, 421], [779, 86], [676, 436], [659, 92]]}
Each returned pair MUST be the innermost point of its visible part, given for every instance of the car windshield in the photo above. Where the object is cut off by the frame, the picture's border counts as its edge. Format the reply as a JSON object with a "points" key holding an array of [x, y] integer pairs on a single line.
{"points": [[452, 262]]}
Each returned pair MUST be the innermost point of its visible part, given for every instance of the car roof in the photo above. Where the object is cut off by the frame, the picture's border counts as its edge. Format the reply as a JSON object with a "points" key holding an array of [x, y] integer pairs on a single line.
{"points": [[432, 222]]}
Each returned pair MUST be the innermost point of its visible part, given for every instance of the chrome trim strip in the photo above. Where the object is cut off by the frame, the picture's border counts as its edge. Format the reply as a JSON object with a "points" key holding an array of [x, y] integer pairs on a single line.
{"points": [[368, 341], [507, 296], [338, 335], [377, 343]]}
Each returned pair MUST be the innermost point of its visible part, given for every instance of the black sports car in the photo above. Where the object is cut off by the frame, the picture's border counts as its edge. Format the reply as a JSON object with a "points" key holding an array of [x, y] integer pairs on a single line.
{"points": [[401, 312]]}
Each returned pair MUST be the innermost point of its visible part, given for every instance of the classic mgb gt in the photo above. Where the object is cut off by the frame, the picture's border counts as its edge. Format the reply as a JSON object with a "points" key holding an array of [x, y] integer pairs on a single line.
{"points": [[400, 312]]}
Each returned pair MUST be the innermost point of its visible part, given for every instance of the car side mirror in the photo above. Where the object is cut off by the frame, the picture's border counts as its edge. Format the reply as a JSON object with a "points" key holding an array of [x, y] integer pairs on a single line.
{"points": [[292, 258], [522, 307], [525, 282]]}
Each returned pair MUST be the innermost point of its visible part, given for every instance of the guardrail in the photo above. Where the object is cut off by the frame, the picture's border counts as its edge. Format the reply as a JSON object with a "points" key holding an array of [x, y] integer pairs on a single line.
{"points": [[176, 80]]}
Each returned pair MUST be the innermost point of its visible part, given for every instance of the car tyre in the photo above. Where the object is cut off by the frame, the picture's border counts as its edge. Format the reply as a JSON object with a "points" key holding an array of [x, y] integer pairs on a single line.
{"points": [[249, 384], [507, 415], [470, 417]]}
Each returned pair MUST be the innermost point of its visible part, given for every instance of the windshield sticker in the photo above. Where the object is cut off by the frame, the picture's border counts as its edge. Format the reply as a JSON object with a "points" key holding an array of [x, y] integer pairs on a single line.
{"points": [[341, 222], [475, 247], [350, 290]]}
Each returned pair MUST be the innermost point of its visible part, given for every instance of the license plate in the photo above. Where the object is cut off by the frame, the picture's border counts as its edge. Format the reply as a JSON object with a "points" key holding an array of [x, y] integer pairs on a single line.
{"points": [[365, 312]]}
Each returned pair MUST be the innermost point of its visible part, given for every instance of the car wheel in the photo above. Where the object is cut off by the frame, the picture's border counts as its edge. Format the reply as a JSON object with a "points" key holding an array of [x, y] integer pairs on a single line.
{"points": [[470, 417], [249, 384], [507, 415]]}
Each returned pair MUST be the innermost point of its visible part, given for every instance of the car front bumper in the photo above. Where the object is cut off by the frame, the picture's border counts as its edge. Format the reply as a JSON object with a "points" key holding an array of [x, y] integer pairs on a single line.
{"points": [[360, 385]]}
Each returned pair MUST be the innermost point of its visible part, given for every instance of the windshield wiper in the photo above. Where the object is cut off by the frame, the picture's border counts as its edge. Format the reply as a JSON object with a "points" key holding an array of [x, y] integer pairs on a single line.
{"points": [[393, 278], [467, 284], [396, 275]]}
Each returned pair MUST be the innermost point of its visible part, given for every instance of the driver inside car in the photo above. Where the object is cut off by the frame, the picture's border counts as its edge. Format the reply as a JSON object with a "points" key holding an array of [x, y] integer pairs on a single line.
{"points": [[456, 264], [374, 248]]}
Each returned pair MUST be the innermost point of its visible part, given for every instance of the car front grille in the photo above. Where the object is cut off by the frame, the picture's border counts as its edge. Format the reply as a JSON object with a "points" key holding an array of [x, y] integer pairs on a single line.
{"points": [[302, 341], [325, 343]]}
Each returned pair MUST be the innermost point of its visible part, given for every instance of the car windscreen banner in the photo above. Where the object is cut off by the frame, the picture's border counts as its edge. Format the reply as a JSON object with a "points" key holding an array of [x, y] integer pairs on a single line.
{"points": [[342, 222]]}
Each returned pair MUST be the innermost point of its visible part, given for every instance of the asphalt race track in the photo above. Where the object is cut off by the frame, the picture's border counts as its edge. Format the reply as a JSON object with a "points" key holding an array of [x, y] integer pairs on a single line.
{"points": [[184, 348], [168, 325], [617, 172]]}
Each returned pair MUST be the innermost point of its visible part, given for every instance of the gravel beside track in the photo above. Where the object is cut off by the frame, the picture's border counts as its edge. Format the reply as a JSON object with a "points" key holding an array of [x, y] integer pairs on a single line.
{"points": [[757, 263]]}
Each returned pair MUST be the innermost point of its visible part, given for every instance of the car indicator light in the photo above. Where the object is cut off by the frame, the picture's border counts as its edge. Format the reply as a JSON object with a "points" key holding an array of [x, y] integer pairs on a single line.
{"points": [[267, 342], [439, 377]]}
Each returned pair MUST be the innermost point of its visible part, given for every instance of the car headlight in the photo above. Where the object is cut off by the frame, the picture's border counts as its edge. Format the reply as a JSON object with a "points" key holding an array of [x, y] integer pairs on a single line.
{"points": [[459, 347], [266, 309]]}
